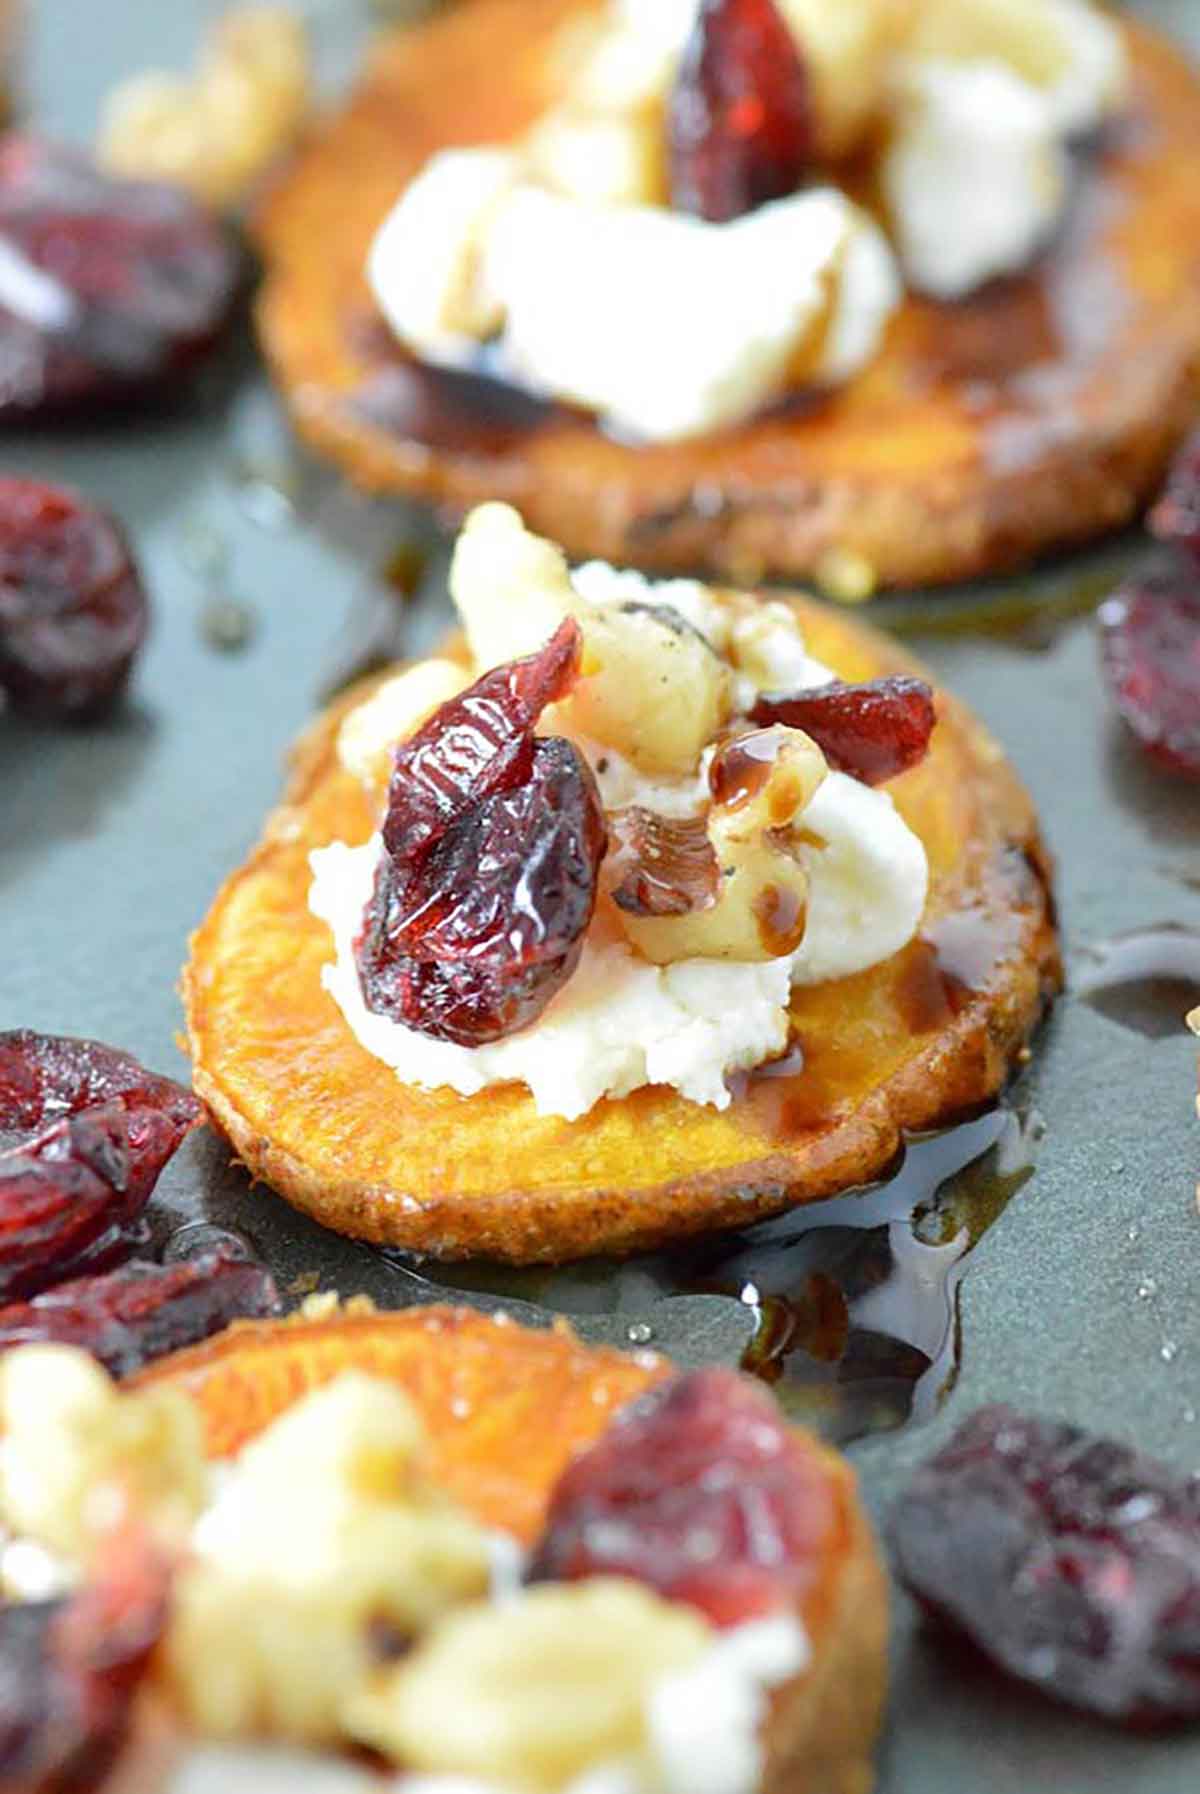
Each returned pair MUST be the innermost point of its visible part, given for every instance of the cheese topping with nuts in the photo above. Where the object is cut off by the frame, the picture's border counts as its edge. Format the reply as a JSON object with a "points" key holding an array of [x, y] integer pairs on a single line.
{"points": [[563, 247], [325, 1539], [680, 1001]]}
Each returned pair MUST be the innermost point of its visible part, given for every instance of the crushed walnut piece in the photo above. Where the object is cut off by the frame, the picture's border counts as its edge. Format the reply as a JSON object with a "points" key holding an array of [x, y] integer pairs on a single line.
{"points": [[218, 132]]}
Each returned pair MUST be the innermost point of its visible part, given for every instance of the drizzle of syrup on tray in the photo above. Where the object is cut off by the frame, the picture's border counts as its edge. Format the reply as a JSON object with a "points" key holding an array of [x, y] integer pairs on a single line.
{"points": [[853, 1301], [1147, 980]]}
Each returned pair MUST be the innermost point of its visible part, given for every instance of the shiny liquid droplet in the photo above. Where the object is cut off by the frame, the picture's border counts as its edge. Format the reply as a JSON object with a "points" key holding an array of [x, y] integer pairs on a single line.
{"points": [[195, 1238], [1147, 980], [853, 1302], [640, 1333]]}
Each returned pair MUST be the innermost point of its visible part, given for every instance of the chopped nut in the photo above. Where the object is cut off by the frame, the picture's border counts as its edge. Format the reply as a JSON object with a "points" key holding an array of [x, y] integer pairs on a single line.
{"points": [[535, 1691], [652, 688], [217, 133], [327, 1526], [80, 1455], [762, 783]]}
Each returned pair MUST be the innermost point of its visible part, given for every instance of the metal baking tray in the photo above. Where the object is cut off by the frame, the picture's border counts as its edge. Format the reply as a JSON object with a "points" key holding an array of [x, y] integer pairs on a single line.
{"points": [[1079, 1299]]}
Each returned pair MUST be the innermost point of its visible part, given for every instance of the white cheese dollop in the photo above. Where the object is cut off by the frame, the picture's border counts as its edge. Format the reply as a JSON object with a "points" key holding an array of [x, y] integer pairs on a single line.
{"points": [[668, 326], [974, 176], [705, 1724], [424, 263], [620, 1022], [271, 1769], [663, 324], [1069, 50]]}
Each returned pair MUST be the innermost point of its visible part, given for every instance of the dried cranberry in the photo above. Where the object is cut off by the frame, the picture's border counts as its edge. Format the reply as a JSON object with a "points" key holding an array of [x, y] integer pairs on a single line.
{"points": [[740, 114], [701, 1491], [666, 864], [1072, 1562], [1150, 649], [46, 1077], [109, 289], [93, 1130], [136, 1314], [493, 843], [478, 743], [872, 731], [1176, 516], [69, 1671], [73, 612]]}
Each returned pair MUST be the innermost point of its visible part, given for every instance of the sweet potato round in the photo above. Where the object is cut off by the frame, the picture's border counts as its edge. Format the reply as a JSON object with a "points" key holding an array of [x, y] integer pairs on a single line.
{"points": [[910, 1044]]}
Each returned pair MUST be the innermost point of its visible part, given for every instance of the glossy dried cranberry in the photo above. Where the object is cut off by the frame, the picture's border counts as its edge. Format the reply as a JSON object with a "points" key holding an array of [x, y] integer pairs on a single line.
{"points": [[46, 1077], [493, 841], [740, 114], [700, 1491], [1072, 1562], [138, 1313], [70, 1669], [73, 612], [478, 743], [872, 731], [665, 864], [1176, 516], [109, 289], [89, 1131], [1150, 650]]}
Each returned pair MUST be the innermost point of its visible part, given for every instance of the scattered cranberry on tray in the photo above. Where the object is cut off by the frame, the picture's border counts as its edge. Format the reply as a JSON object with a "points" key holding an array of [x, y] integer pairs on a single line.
{"points": [[740, 114], [873, 731], [493, 839], [93, 1130], [69, 1670], [73, 612], [141, 1311], [1150, 651], [1175, 519], [700, 1491], [1068, 1560], [110, 290]]}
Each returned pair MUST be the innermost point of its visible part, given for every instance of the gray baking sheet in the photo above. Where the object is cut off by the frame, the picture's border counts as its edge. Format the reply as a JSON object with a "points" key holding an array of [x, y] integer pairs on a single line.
{"points": [[1082, 1300]]}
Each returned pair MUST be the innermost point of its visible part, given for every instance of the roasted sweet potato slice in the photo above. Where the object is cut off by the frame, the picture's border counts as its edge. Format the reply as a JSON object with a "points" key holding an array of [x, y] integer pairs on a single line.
{"points": [[910, 1044], [1040, 412], [506, 1409]]}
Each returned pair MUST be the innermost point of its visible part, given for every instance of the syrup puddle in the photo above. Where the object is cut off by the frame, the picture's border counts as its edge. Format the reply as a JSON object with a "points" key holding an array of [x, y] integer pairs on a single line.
{"points": [[1146, 981], [852, 1303]]}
